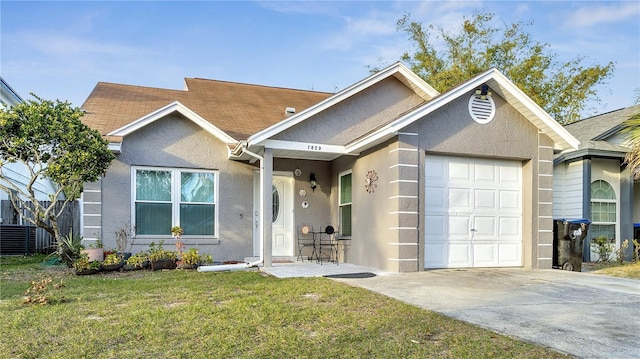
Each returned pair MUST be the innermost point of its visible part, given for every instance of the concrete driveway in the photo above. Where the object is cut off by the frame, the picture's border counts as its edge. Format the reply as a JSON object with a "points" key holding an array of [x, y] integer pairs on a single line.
{"points": [[581, 314]]}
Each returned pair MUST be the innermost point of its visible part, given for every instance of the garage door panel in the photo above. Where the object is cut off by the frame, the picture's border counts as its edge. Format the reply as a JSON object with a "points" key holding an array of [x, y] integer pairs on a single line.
{"points": [[459, 199], [509, 199], [436, 253], [436, 169], [459, 170], [459, 226], [484, 226], [435, 197], [485, 199], [510, 174], [509, 254], [509, 227], [473, 212], [459, 254], [485, 173], [484, 254], [435, 226]]}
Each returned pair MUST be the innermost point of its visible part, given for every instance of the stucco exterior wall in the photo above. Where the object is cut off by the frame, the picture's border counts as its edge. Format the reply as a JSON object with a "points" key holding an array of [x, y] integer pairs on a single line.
{"points": [[387, 224], [374, 215], [176, 142], [356, 115]]}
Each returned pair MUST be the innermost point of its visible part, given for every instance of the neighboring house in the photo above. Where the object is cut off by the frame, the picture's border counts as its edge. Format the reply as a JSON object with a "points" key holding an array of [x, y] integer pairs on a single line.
{"points": [[411, 178], [592, 182], [16, 172]]}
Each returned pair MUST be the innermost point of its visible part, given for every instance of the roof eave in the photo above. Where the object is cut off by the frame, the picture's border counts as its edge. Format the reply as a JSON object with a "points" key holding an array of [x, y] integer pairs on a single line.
{"points": [[175, 106], [399, 70], [506, 89]]}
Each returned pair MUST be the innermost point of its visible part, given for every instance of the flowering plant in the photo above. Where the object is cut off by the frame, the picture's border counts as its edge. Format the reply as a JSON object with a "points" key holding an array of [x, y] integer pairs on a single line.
{"points": [[176, 232]]}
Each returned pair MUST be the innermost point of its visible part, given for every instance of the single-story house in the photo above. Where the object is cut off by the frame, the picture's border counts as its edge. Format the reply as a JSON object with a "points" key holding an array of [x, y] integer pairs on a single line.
{"points": [[592, 181], [409, 177]]}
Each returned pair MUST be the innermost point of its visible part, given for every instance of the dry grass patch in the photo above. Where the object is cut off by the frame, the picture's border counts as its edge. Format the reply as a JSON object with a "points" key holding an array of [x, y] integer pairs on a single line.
{"points": [[626, 270]]}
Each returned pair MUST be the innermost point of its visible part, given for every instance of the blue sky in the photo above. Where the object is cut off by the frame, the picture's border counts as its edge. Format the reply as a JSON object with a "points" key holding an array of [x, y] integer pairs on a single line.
{"points": [[60, 50]]}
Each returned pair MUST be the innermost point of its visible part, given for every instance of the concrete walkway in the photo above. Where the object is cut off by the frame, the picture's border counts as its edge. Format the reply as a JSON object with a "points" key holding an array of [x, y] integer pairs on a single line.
{"points": [[581, 314]]}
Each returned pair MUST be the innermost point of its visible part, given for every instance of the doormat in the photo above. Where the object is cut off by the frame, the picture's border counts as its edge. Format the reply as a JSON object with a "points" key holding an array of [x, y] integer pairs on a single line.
{"points": [[352, 275]]}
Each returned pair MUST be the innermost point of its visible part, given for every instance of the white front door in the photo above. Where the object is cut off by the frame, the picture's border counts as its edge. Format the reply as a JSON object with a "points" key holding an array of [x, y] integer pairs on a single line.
{"points": [[282, 222], [473, 212]]}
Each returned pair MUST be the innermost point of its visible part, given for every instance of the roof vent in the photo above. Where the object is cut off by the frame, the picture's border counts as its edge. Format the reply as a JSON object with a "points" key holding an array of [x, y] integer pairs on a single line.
{"points": [[482, 108], [289, 111]]}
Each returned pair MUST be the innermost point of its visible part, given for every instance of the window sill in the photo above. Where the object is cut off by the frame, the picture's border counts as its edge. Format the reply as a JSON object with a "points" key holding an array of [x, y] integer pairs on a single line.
{"points": [[169, 241]]}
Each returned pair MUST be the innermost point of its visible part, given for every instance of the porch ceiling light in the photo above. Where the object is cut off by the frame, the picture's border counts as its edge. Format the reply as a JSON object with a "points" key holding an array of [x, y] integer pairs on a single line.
{"points": [[483, 92]]}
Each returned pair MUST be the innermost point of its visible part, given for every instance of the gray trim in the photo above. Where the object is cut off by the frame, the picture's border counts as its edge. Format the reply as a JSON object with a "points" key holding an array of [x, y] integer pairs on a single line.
{"points": [[584, 153], [586, 204], [626, 211]]}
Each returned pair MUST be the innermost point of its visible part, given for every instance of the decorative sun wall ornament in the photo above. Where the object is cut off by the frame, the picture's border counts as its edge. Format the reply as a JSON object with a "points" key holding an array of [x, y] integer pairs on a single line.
{"points": [[370, 181]]}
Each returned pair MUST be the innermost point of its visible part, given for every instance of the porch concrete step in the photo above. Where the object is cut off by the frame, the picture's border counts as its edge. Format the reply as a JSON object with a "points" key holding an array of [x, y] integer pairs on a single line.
{"points": [[283, 259]]}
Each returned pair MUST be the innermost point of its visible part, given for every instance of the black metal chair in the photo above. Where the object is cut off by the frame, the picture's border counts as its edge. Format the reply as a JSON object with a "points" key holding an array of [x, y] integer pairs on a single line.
{"points": [[328, 242], [306, 238]]}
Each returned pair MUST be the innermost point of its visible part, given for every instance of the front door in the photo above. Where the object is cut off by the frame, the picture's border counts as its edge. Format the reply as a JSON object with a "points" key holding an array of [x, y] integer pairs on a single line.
{"points": [[282, 221]]}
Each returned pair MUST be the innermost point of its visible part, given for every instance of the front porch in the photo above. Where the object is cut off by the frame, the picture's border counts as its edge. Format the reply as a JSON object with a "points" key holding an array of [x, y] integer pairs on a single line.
{"points": [[297, 269]]}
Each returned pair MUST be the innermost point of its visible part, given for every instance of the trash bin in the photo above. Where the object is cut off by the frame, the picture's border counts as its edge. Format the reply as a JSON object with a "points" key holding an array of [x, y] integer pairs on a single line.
{"points": [[568, 237], [636, 236]]}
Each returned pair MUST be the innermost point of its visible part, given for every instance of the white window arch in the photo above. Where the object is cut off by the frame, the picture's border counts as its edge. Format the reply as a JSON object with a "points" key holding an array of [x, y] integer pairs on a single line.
{"points": [[603, 210]]}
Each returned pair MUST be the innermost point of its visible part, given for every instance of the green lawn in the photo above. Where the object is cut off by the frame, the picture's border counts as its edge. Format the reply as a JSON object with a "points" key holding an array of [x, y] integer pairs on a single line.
{"points": [[186, 314]]}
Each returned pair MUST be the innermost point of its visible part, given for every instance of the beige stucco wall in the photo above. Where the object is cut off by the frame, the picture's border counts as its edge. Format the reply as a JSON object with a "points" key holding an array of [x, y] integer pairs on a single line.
{"points": [[176, 142]]}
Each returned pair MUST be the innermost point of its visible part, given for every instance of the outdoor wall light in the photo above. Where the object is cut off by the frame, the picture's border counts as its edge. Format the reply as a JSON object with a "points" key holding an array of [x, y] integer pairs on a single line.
{"points": [[313, 181], [483, 92]]}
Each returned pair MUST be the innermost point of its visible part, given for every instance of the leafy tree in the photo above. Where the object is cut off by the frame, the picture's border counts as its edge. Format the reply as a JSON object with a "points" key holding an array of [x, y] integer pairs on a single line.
{"points": [[632, 129], [562, 89], [49, 139]]}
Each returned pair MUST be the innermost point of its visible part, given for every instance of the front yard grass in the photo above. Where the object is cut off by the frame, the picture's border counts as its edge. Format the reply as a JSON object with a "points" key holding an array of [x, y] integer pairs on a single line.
{"points": [[625, 270], [186, 314]]}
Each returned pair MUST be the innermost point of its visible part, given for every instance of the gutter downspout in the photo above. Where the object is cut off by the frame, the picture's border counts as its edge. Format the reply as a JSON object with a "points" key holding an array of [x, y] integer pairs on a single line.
{"points": [[240, 266]]}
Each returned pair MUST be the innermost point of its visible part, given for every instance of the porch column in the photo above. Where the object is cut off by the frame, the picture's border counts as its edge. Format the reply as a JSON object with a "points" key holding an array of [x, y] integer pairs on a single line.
{"points": [[266, 180], [626, 211]]}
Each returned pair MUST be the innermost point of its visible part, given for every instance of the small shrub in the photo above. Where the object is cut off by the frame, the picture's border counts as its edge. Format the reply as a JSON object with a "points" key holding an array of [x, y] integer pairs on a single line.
{"points": [[84, 264], [636, 250], [603, 247], [620, 251], [137, 260], [112, 258], [44, 292], [69, 248], [192, 256]]}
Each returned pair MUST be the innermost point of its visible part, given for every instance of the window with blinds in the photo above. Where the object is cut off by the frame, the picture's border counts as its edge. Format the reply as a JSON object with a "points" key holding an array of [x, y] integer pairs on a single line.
{"points": [[170, 197]]}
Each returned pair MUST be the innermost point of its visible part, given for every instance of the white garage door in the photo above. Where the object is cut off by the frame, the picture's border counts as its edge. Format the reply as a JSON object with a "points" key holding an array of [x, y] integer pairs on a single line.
{"points": [[473, 212]]}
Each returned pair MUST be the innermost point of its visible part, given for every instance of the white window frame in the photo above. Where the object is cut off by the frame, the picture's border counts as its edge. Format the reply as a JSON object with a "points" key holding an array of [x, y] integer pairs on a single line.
{"points": [[613, 201], [176, 198], [340, 204]]}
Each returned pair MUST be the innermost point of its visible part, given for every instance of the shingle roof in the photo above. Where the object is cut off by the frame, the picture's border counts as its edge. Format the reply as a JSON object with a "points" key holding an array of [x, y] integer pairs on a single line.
{"points": [[237, 109], [593, 128], [594, 131]]}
